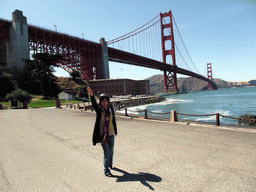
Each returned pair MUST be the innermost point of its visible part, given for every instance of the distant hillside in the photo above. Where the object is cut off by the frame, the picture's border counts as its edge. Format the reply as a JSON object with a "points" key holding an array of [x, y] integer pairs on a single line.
{"points": [[69, 83], [252, 82], [193, 84], [157, 83]]}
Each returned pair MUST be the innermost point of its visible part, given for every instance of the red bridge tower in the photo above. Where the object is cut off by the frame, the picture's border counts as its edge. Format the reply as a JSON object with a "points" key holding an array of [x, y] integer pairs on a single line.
{"points": [[170, 77], [209, 74]]}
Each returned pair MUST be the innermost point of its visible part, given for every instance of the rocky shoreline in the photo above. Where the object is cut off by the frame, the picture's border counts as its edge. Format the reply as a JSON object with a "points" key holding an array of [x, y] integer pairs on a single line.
{"points": [[120, 104]]}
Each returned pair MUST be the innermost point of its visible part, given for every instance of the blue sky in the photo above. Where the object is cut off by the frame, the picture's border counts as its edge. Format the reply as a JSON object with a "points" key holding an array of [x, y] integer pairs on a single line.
{"points": [[221, 32]]}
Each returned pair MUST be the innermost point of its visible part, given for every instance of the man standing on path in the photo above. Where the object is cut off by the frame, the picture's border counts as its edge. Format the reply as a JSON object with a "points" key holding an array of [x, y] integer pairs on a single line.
{"points": [[105, 128]]}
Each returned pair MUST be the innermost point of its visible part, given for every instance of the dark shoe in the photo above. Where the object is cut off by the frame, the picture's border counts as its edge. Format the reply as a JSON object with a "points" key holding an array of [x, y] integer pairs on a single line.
{"points": [[108, 174]]}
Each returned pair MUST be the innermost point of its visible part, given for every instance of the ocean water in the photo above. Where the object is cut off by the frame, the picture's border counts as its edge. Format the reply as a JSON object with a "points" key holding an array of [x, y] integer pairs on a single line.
{"points": [[229, 102]]}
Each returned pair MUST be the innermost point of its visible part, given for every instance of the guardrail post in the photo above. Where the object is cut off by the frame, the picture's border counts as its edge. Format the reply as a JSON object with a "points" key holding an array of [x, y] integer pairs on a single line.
{"points": [[146, 114], [57, 103], [25, 104], [174, 116], [10, 104], [126, 114], [217, 119]]}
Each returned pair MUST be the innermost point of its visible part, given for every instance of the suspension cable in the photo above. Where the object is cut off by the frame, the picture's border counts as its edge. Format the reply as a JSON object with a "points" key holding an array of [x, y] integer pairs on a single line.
{"points": [[184, 44], [182, 56], [116, 39]]}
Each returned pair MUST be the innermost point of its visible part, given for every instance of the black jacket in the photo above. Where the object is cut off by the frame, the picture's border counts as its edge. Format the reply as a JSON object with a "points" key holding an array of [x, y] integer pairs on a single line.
{"points": [[96, 136]]}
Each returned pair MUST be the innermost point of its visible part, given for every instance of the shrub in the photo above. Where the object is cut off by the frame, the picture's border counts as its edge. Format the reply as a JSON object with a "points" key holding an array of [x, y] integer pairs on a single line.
{"points": [[20, 95], [245, 119]]}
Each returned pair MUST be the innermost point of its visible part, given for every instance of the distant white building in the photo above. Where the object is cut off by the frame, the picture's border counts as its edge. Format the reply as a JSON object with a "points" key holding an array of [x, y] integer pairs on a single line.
{"points": [[67, 94]]}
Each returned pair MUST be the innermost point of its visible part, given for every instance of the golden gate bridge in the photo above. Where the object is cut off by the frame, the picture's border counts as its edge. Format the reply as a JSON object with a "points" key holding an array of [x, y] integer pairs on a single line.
{"points": [[151, 45]]}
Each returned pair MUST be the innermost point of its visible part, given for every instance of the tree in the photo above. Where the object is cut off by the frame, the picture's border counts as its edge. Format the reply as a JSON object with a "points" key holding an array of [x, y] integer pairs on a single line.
{"points": [[35, 76], [83, 91], [24, 77], [6, 85], [75, 74], [44, 68]]}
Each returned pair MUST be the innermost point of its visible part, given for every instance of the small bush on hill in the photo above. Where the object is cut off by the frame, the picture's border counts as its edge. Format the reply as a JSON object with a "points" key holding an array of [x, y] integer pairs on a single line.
{"points": [[247, 121]]}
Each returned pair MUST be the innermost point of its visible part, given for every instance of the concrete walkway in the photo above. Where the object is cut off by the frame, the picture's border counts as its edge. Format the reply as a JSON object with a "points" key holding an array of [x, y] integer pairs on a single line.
{"points": [[51, 150]]}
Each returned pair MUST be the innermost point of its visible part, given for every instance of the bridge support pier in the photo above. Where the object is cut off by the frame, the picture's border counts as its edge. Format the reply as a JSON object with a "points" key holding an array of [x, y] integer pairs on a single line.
{"points": [[104, 57], [17, 47]]}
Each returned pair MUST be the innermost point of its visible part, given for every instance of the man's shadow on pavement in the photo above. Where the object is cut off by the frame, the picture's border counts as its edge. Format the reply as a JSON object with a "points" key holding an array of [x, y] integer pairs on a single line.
{"points": [[142, 177]]}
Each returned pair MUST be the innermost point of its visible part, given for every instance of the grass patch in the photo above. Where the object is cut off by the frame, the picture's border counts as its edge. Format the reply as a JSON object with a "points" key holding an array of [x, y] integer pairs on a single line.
{"points": [[4, 103], [50, 103], [46, 103], [42, 103]]}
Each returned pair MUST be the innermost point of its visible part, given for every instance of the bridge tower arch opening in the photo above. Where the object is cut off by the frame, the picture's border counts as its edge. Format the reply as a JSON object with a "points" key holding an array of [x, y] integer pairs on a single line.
{"points": [[170, 77]]}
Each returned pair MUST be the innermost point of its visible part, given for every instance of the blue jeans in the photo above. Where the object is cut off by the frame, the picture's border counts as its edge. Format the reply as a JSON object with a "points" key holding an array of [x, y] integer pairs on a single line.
{"points": [[108, 152]]}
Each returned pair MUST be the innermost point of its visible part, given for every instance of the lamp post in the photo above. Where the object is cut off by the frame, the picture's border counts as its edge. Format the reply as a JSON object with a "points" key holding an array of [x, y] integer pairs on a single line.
{"points": [[55, 28], [82, 35]]}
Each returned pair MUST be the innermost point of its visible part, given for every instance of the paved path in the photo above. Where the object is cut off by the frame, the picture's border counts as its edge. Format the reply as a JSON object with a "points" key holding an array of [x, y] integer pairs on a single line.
{"points": [[51, 150]]}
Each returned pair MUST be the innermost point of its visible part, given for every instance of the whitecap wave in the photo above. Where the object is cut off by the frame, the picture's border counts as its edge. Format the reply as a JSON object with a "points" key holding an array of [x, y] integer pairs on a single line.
{"points": [[209, 118], [222, 112], [174, 101], [167, 102], [157, 111]]}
